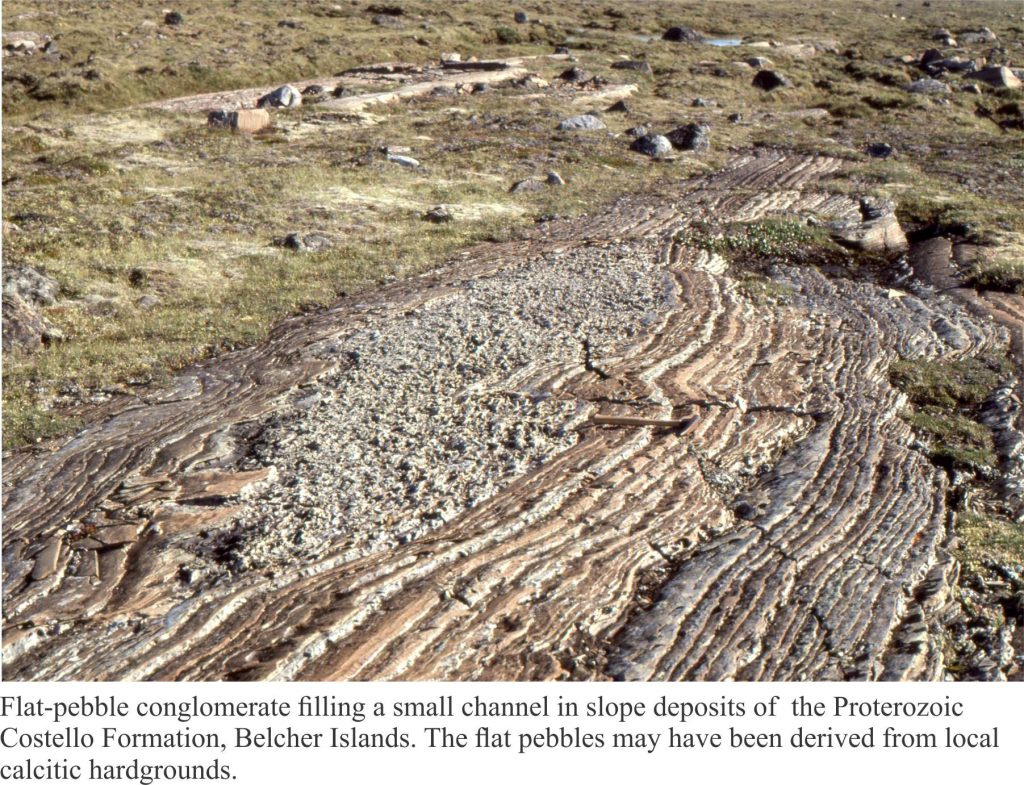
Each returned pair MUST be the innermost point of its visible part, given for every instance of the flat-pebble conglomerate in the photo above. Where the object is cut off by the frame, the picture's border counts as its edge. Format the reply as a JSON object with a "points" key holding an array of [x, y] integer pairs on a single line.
{"points": [[430, 414]]}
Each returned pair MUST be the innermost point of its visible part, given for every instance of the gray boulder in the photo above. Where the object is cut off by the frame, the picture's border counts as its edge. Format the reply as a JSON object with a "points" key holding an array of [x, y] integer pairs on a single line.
{"points": [[980, 36], [641, 66], [526, 186], [925, 86], [29, 284], [403, 160], [284, 97], [654, 145], [997, 76], [582, 122], [694, 136], [24, 327]]}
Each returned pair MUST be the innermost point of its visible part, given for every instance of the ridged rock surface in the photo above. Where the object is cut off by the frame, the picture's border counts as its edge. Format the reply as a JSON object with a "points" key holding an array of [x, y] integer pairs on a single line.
{"points": [[411, 486]]}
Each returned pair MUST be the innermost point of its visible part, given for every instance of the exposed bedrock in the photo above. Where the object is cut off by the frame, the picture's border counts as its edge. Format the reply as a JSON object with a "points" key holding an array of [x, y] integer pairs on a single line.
{"points": [[410, 485]]}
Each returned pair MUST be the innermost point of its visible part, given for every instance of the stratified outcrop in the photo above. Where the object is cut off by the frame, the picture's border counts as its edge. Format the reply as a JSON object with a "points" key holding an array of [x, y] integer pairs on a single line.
{"points": [[411, 485]]}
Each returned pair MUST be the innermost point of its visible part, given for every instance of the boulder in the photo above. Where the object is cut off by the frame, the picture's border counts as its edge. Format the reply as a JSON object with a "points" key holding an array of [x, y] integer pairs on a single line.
{"points": [[619, 106], [925, 86], [526, 186], [246, 121], [641, 66], [385, 20], [521, 18], [654, 145], [284, 97], [637, 131], [694, 136], [954, 64], [310, 242], [403, 160], [878, 231], [770, 80], [997, 76], [582, 122], [930, 56], [574, 75], [29, 284], [879, 150], [554, 178], [439, 215], [23, 326], [980, 36], [173, 18], [683, 35]]}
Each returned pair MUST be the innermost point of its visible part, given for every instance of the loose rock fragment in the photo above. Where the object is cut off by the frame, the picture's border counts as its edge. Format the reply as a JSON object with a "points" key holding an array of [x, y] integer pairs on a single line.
{"points": [[403, 160], [927, 86], [438, 215], [243, 120], [879, 150], [582, 122], [683, 35], [694, 136], [526, 186], [284, 97], [770, 80], [654, 145], [997, 76], [30, 284], [641, 66]]}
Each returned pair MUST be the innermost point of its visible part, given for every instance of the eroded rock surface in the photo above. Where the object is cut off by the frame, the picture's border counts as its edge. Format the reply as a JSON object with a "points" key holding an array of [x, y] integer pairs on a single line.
{"points": [[411, 484]]}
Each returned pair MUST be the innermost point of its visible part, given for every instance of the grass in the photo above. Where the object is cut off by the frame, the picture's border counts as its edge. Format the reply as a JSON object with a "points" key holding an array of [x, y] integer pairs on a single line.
{"points": [[955, 440], [762, 289], [1003, 275], [120, 203], [957, 384], [946, 399], [767, 238], [987, 538]]}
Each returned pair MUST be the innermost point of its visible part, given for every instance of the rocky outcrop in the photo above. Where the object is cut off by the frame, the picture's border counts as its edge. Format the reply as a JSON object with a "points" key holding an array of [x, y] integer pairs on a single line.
{"points": [[878, 230], [584, 454]]}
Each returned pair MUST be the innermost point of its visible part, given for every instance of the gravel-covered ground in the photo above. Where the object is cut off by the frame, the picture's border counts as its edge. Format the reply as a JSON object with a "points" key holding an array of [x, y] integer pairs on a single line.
{"points": [[436, 411]]}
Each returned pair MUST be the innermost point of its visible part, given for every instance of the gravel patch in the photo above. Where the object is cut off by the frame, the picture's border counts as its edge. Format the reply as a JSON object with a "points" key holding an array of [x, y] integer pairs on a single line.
{"points": [[441, 409]]}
